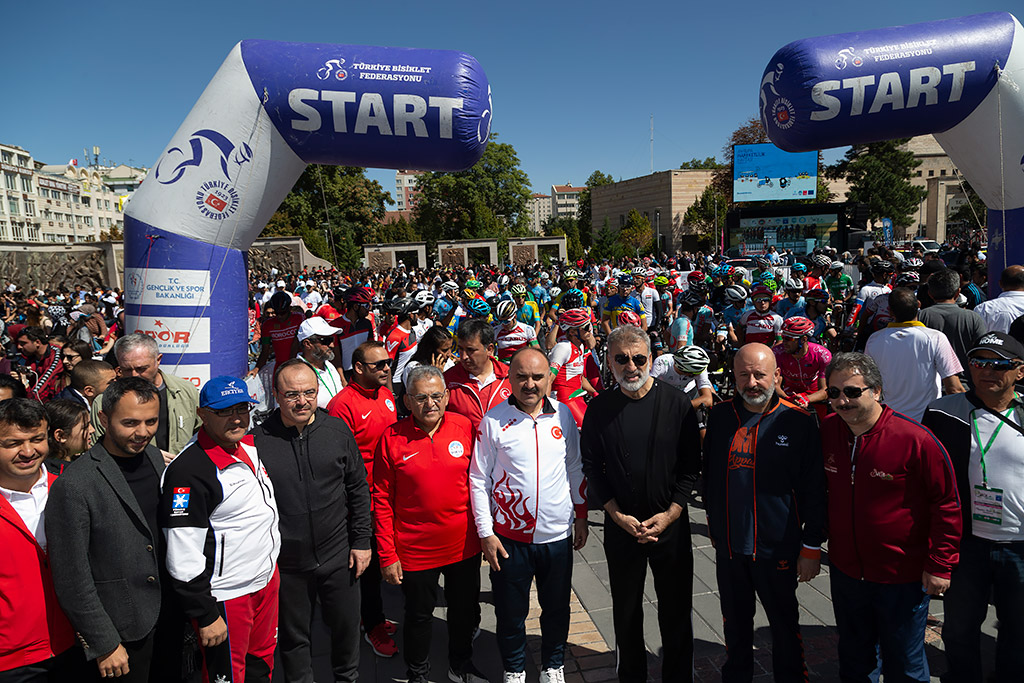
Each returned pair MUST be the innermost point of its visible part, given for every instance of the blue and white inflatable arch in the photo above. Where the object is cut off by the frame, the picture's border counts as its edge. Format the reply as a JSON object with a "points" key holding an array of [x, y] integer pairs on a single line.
{"points": [[961, 79], [271, 109]]}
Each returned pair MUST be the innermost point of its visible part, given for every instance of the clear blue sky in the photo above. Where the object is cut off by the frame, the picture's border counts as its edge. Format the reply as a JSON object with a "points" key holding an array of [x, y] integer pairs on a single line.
{"points": [[574, 83]]}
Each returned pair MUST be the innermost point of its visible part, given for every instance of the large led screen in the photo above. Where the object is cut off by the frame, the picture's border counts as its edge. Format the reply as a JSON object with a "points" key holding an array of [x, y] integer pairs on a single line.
{"points": [[766, 173]]}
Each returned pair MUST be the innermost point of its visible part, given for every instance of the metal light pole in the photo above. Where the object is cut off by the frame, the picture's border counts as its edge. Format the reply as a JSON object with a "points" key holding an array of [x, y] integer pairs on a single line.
{"points": [[657, 222]]}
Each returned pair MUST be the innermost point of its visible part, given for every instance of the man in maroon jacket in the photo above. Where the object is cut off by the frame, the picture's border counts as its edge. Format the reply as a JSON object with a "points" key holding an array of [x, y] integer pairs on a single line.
{"points": [[894, 525]]}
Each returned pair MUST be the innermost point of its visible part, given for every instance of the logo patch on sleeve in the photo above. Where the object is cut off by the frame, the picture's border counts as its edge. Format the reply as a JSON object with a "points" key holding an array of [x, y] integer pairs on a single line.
{"points": [[179, 504]]}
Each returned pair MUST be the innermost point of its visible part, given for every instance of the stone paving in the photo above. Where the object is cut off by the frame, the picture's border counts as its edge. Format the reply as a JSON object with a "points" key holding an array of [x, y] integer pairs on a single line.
{"points": [[590, 654]]}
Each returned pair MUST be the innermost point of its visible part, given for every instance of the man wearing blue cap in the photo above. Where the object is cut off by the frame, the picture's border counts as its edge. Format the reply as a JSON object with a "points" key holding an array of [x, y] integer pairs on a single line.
{"points": [[219, 516]]}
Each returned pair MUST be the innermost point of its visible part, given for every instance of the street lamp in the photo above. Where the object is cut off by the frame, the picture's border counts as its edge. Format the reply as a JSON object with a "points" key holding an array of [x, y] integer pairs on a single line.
{"points": [[657, 222]]}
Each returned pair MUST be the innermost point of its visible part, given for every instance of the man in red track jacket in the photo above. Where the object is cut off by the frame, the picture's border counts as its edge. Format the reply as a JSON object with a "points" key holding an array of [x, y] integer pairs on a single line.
{"points": [[35, 637], [367, 406], [894, 524], [424, 524], [479, 381]]}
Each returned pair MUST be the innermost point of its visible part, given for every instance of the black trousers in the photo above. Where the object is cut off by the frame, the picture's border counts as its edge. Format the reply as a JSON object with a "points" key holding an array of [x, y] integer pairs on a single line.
{"points": [[69, 665], [671, 562], [336, 586], [461, 594], [371, 608], [774, 581]]}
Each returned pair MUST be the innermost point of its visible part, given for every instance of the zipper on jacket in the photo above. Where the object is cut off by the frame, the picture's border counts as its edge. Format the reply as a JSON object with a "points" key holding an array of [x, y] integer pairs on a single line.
{"points": [[220, 570], [853, 505], [536, 510]]}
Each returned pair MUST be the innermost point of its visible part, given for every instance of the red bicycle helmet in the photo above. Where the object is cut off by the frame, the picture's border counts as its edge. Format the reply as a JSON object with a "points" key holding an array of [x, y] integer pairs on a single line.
{"points": [[629, 318], [797, 326], [573, 317]]}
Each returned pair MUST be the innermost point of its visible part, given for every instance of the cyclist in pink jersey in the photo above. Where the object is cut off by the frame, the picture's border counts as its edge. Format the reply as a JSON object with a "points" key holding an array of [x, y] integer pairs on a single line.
{"points": [[510, 335], [802, 365], [761, 324], [568, 361]]}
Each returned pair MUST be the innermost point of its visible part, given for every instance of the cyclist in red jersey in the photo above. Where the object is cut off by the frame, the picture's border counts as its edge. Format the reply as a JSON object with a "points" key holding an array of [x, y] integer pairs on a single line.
{"points": [[568, 361], [802, 365], [761, 324], [510, 335], [278, 333]]}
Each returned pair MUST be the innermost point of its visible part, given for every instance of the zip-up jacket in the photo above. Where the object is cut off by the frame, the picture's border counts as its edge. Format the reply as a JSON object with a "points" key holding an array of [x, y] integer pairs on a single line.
{"points": [[949, 418], [526, 477], [220, 521], [421, 494], [32, 625], [367, 413], [321, 489], [468, 398], [893, 507], [787, 486]]}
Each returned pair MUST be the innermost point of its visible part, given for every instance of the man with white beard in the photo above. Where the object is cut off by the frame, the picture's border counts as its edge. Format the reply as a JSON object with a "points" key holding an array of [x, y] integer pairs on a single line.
{"points": [[641, 455]]}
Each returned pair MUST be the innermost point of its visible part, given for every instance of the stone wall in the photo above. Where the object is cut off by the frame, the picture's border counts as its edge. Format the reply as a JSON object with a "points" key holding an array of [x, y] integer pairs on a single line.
{"points": [[47, 266]]}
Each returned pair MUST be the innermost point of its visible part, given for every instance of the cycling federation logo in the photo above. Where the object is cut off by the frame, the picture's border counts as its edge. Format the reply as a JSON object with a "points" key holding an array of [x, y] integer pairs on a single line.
{"points": [[215, 199], [846, 57], [332, 67], [782, 112]]}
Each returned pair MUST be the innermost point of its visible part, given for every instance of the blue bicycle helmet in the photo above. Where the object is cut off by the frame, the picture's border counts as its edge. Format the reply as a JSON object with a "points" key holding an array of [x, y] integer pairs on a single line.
{"points": [[478, 308]]}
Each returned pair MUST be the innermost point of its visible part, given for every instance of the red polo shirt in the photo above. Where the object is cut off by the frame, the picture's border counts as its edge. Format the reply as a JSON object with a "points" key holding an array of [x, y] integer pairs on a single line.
{"points": [[367, 413], [421, 494]]}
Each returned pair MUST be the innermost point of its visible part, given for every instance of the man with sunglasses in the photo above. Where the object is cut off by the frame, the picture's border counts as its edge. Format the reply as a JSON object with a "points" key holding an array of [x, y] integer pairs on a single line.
{"points": [[759, 324], [641, 453], [317, 339], [368, 408], [894, 524], [320, 486], [424, 524], [764, 494], [982, 431], [218, 490]]}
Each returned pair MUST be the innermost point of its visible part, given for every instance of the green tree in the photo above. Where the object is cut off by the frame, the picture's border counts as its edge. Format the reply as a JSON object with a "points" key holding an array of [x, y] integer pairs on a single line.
{"points": [[596, 179], [606, 245], [709, 163], [636, 235], [488, 200], [879, 176], [570, 227], [397, 230], [704, 212], [322, 198]]}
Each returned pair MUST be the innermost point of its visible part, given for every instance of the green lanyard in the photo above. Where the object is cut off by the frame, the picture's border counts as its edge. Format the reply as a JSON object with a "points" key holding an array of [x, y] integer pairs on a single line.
{"points": [[984, 448], [334, 389]]}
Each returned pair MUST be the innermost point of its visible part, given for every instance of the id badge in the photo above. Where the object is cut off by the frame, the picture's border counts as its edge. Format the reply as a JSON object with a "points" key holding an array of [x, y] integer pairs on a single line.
{"points": [[987, 505]]}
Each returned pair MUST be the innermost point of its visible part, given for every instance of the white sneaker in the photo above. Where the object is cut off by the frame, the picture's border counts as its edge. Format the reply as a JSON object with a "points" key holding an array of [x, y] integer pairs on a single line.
{"points": [[510, 677], [553, 675]]}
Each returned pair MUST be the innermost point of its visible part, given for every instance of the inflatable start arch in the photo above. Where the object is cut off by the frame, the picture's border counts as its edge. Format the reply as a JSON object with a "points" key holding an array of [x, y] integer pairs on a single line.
{"points": [[271, 109], [961, 79]]}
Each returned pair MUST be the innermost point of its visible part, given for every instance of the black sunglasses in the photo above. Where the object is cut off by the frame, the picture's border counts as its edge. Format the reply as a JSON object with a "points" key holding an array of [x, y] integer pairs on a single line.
{"points": [[993, 364], [849, 392], [379, 365], [638, 360]]}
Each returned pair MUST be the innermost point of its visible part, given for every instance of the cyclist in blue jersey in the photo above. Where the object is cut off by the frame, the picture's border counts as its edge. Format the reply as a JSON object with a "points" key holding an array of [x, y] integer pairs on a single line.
{"points": [[736, 303], [793, 304], [618, 303]]}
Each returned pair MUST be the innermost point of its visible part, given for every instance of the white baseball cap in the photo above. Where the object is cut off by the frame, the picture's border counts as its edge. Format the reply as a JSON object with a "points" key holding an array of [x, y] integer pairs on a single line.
{"points": [[316, 327]]}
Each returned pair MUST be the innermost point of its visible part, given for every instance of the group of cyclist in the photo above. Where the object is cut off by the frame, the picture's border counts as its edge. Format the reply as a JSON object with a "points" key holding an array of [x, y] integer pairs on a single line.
{"points": [[696, 319]]}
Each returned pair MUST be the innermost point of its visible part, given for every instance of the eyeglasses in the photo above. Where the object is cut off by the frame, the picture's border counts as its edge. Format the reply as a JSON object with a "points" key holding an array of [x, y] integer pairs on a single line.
{"points": [[638, 360], [378, 366], [239, 409], [421, 399], [294, 396], [1001, 365], [326, 341], [848, 392]]}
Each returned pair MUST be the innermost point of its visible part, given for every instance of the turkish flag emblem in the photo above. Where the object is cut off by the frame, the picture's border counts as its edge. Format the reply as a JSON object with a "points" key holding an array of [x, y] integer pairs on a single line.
{"points": [[182, 489], [217, 203], [556, 432]]}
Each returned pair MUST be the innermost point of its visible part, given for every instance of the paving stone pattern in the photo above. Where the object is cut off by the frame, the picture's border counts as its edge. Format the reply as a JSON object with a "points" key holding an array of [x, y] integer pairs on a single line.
{"points": [[590, 656]]}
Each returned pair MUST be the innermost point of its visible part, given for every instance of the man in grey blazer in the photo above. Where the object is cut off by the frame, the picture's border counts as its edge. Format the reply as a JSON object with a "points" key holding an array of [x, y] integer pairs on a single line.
{"points": [[105, 550]]}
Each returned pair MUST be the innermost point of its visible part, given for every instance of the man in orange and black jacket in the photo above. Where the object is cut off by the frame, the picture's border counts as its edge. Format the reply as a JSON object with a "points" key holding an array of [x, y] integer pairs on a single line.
{"points": [[764, 494]]}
